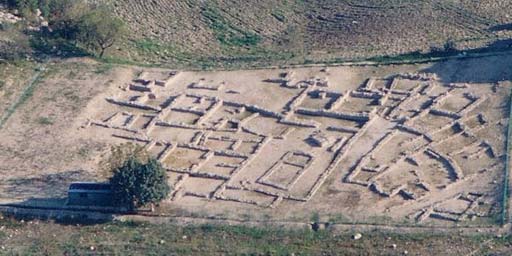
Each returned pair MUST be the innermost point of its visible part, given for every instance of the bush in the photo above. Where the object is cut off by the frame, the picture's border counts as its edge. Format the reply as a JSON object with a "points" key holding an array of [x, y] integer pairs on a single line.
{"points": [[137, 184], [450, 46], [65, 17], [15, 46]]}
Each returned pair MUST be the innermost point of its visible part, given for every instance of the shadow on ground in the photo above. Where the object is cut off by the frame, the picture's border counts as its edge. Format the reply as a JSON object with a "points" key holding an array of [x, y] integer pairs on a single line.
{"points": [[493, 69], [45, 197], [48, 185], [501, 27]]}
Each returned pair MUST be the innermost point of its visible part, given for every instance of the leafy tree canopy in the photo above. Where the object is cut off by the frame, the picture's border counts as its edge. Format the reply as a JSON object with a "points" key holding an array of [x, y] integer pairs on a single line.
{"points": [[137, 184], [99, 30]]}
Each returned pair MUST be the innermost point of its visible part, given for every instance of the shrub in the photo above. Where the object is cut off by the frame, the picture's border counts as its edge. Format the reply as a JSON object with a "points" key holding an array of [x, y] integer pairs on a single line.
{"points": [[137, 184]]}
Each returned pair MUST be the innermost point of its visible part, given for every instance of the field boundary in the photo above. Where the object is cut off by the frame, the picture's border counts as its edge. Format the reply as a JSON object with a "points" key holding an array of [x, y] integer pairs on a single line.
{"points": [[186, 221], [348, 63], [27, 93], [506, 178], [109, 215]]}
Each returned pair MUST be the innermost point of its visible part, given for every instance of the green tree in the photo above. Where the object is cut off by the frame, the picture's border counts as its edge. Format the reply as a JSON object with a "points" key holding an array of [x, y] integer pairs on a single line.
{"points": [[137, 184], [119, 154], [100, 30], [65, 17]]}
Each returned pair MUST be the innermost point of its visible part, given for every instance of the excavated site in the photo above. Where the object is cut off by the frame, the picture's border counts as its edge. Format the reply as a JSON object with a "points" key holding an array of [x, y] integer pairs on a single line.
{"points": [[402, 143]]}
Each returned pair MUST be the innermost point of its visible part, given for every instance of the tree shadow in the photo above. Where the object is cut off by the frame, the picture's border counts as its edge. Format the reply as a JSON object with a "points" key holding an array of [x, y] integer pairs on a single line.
{"points": [[53, 185], [45, 198], [32, 209], [53, 47], [501, 27], [474, 66]]}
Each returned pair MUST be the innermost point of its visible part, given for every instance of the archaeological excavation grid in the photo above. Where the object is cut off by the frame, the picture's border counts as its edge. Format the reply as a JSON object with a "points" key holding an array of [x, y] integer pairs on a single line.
{"points": [[406, 137]]}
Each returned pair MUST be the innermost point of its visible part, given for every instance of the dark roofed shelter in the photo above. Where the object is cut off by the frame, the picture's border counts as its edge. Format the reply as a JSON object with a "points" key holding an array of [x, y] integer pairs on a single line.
{"points": [[90, 194]]}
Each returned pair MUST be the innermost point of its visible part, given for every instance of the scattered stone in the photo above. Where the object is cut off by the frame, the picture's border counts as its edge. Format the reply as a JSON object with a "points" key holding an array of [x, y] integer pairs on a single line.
{"points": [[319, 139]]}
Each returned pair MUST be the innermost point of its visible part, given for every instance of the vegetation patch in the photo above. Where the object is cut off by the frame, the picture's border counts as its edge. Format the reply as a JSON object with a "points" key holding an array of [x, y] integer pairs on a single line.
{"points": [[27, 93], [227, 33], [45, 121], [136, 238]]}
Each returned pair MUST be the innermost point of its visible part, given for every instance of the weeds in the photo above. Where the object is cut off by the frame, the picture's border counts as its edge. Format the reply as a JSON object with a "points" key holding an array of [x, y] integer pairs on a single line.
{"points": [[27, 93], [227, 33], [315, 217], [134, 238], [103, 68], [45, 121]]}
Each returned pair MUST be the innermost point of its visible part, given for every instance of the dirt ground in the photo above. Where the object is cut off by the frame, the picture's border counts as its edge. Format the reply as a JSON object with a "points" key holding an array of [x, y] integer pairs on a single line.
{"points": [[417, 144], [13, 80]]}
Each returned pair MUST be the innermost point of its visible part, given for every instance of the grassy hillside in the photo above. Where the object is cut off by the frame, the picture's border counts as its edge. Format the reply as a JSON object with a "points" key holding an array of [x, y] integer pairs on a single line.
{"points": [[129, 238], [297, 31]]}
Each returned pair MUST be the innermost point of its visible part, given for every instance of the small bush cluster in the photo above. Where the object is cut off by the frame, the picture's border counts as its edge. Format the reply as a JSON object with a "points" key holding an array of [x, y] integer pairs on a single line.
{"points": [[71, 24]]}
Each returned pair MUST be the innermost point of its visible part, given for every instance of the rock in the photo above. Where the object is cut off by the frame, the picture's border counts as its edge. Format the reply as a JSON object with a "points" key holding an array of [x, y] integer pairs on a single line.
{"points": [[393, 246], [92, 248], [357, 236], [406, 252], [162, 241], [319, 139], [184, 237]]}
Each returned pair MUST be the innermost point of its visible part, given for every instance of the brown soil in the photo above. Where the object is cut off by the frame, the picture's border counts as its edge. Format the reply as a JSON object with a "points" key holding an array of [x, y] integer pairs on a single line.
{"points": [[431, 151]]}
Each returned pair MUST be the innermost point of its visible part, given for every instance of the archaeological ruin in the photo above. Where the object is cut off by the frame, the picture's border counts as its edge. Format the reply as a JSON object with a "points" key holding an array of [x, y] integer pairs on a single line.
{"points": [[412, 142]]}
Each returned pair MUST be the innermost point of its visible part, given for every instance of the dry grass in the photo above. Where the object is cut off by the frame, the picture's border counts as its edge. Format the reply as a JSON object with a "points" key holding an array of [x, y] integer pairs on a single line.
{"points": [[13, 79], [133, 238], [223, 32]]}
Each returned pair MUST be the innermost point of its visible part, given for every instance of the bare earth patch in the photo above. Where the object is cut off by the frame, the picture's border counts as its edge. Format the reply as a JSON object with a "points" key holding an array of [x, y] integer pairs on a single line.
{"points": [[418, 144]]}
